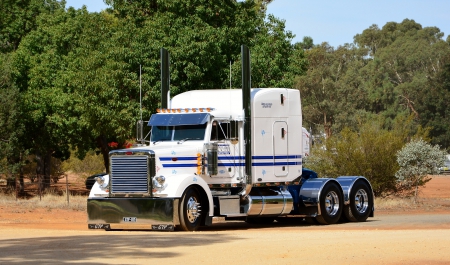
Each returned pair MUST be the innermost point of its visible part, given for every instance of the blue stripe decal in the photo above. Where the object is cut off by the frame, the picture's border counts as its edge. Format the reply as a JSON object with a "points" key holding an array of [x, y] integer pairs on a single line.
{"points": [[239, 164], [228, 161], [262, 157], [277, 157], [179, 165], [276, 164], [178, 158], [232, 157]]}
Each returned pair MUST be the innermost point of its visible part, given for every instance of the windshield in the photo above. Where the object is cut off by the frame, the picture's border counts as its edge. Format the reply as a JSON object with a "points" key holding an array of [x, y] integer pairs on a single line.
{"points": [[178, 133]]}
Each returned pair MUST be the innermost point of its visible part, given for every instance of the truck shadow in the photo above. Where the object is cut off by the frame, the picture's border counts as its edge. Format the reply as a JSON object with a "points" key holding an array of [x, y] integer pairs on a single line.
{"points": [[282, 223], [125, 245]]}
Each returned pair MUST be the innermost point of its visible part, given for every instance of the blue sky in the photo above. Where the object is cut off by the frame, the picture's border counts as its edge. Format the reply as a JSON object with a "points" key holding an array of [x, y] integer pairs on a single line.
{"points": [[337, 22]]}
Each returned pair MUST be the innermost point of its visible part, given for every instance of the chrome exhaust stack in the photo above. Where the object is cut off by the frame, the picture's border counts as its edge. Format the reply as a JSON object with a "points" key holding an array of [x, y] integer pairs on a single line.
{"points": [[165, 79], [246, 96]]}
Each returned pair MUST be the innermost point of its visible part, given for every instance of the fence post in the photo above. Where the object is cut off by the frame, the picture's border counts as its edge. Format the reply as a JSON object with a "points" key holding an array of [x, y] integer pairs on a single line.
{"points": [[67, 190], [15, 186], [40, 185]]}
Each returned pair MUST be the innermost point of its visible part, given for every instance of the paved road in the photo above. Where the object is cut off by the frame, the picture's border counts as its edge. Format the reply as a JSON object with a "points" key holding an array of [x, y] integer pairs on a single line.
{"points": [[385, 239]]}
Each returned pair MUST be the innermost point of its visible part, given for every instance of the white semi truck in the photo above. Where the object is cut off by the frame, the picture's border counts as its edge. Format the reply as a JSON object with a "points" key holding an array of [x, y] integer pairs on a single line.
{"points": [[232, 153]]}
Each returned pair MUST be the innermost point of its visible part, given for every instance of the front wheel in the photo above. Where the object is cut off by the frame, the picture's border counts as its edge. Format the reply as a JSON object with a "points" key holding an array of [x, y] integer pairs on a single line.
{"points": [[331, 204], [190, 211], [361, 202]]}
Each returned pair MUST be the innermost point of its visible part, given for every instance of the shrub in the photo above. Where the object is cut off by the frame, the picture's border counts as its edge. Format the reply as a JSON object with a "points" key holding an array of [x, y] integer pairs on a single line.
{"points": [[417, 159], [371, 153], [91, 164]]}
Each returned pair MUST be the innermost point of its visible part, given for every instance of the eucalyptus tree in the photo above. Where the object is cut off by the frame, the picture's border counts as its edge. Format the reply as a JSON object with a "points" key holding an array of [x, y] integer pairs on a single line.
{"points": [[331, 89], [404, 59]]}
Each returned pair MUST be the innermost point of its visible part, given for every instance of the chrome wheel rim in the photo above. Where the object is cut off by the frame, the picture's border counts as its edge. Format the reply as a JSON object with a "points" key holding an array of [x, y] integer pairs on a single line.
{"points": [[361, 201], [193, 209], [332, 203]]}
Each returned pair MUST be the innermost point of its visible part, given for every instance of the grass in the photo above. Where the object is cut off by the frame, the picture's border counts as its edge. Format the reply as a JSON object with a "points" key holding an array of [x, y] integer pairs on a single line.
{"points": [[47, 201], [394, 203]]}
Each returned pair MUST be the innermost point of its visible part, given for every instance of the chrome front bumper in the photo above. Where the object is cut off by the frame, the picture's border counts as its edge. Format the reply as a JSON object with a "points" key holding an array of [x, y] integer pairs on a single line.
{"points": [[132, 213]]}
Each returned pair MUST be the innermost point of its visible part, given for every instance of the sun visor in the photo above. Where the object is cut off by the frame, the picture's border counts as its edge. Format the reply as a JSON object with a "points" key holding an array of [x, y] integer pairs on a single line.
{"points": [[178, 119]]}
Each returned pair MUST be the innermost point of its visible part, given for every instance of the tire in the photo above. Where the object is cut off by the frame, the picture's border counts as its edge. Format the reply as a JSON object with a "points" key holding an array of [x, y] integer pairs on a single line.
{"points": [[190, 211], [361, 202], [331, 204]]}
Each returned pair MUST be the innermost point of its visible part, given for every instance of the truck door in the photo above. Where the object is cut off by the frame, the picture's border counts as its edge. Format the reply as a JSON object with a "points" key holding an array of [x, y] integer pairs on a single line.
{"points": [[280, 148], [228, 149]]}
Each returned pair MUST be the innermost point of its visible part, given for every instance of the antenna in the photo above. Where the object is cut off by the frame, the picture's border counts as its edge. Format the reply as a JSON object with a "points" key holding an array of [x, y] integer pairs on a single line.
{"points": [[140, 89], [230, 74], [140, 123]]}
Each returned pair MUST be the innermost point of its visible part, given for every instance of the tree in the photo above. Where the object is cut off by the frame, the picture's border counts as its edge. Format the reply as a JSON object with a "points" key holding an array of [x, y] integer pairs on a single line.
{"points": [[332, 91], [417, 159], [307, 43], [404, 61], [38, 64], [12, 129], [275, 61], [434, 110], [18, 18]]}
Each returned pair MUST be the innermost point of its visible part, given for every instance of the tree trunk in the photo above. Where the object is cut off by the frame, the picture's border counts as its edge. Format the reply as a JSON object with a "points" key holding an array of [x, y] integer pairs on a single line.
{"points": [[43, 169], [47, 169], [39, 169], [103, 145]]}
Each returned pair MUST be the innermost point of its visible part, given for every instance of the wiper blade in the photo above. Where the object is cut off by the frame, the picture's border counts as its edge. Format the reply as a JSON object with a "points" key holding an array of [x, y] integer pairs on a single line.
{"points": [[186, 139], [161, 140]]}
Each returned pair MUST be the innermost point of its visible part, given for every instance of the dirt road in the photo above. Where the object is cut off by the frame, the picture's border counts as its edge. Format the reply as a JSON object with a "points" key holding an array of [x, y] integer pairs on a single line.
{"points": [[391, 237], [385, 239]]}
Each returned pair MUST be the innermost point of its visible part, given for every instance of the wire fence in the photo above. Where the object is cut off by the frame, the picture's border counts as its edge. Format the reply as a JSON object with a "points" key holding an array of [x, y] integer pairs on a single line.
{"points": [[38, 186]]}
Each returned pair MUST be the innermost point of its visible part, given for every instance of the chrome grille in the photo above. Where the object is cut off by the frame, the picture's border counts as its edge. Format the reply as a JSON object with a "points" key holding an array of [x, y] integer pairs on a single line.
{"points": [[129, 174]]}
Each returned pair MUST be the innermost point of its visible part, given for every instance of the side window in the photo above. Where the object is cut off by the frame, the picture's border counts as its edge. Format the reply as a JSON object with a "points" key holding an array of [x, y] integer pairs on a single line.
{"points": [[234, 130], [218, 130], [224, 130]]}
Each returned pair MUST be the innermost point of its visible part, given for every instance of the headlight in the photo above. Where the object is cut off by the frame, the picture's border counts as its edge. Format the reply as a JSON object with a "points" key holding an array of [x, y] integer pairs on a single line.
{"points": [[158, 182], [160, 179], [102, 182]]}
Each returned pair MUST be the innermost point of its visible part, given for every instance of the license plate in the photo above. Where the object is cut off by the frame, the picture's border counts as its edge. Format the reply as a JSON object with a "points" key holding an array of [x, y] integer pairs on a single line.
{"points": [[163, 227], [130, 219], [99, 226]]}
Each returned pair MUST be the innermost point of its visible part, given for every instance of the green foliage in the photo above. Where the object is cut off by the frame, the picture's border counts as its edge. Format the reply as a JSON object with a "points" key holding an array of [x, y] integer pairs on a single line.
{"points": [[12, 129], [332, 94], [371, 153], [18, 18], [434, 110], [393, 72], [417, 159], [91, 164]]}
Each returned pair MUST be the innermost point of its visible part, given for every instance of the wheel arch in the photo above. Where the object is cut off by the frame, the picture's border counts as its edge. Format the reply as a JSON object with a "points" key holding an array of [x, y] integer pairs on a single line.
{"points": [[201, 186], [347, 183], [312, 188]]}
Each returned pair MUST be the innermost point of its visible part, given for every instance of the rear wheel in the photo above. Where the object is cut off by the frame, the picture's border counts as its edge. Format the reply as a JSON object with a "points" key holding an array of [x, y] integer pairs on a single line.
{"points": [[361, 202], [331, 204], [190, 211]]}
